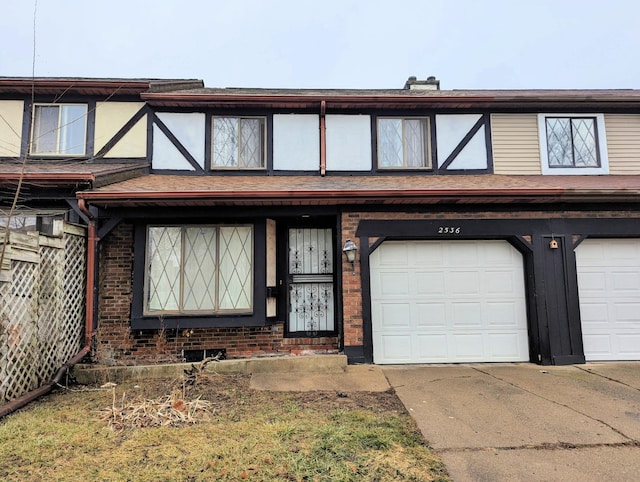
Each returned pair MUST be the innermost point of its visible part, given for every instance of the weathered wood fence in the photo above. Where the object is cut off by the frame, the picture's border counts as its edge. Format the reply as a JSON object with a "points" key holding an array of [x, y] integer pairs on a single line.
{"points": [[42, 306]]}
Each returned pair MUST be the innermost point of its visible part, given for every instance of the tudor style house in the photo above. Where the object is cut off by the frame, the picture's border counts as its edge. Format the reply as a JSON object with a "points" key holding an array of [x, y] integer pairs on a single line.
{"points": [[412, 225]]}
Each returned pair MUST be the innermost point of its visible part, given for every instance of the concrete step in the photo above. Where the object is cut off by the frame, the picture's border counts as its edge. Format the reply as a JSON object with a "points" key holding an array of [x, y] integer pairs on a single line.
{"points": [[87, 374]]}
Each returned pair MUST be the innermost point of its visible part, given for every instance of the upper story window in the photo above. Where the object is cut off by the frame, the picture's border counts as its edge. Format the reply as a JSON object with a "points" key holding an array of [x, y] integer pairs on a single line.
{"points": [[403, 143], [238, 143], [59, 129], [573, 144], [199, 269]]}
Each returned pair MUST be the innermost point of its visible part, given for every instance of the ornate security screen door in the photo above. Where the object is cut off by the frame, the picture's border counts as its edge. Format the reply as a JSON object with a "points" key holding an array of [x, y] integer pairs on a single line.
{"points": [[311, 298]]}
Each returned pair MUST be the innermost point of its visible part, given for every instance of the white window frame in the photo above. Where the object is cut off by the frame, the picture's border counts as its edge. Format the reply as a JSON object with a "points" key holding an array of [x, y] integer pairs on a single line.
{"points": [[59, 130], [263, 147], [427, 146], [181, 311], [574, 171]]}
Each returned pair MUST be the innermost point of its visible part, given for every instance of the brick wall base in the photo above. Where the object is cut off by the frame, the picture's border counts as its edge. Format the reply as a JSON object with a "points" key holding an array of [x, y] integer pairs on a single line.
{"points": [[117, 344]]}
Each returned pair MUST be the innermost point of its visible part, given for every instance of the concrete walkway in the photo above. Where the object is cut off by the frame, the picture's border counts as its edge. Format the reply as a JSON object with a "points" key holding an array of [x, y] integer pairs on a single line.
{"points": [[526, 422], [353, 378]]}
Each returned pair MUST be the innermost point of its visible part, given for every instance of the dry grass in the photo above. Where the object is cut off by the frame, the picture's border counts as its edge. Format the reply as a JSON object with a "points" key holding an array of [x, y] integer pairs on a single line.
{"points": [[217, 429]]}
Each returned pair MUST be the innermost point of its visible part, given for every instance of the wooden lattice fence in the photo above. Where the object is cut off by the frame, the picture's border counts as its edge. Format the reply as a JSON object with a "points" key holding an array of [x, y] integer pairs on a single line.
{"points": [[42, 306]]}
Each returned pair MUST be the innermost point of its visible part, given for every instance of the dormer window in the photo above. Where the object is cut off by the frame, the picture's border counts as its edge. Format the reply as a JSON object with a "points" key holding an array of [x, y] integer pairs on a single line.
{"points": [[238, 143], [403, 143], [59, 130]]}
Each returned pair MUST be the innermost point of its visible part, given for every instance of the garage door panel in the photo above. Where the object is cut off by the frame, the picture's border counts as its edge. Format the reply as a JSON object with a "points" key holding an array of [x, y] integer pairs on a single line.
{"points": [[430, 348], [462, 258], [598, 346], [465, 297], [393, 283], [465, 314], [430, 315], [506, 346], [426, 258], [429, 284], [467, 347], [594, 313], [463, 282], [395, 315], [593, 281], [626, 281], [502, 283], [503, 314], [627, 313], [609, 291], [397, 348], [394, 255], [629, 346]]}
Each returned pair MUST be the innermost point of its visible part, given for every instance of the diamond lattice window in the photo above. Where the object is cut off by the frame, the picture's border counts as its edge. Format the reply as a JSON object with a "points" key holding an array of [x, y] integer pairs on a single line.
{"points": [[403, 143], [199, 269], [571, 142], [238, 143]]}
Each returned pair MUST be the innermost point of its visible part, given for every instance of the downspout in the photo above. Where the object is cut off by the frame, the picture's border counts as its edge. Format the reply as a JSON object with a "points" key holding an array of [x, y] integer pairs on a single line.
{"points": [[323, 138], [20, 402], [91, 271]]}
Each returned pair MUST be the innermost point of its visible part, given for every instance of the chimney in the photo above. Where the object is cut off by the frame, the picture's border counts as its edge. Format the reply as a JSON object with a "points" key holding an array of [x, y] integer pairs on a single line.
{"points": [[413, 83]]}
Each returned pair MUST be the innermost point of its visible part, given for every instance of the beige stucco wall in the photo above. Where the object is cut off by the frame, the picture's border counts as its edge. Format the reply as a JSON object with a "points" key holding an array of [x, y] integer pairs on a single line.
{"points": [[623, 143], [516, 148], [11, 114], [110, 117]]}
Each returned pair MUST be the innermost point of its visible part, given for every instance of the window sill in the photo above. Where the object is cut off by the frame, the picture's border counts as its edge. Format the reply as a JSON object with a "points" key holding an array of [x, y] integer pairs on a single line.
{"points": [[180, 322]]}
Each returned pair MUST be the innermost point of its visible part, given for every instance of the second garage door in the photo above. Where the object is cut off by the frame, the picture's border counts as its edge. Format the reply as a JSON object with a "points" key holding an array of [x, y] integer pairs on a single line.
{"points": [[609, 287], [448, 302]]}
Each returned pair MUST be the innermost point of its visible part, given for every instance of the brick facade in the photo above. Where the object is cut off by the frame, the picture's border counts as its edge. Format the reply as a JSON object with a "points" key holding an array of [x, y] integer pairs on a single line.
{"points": [[116, 343]]}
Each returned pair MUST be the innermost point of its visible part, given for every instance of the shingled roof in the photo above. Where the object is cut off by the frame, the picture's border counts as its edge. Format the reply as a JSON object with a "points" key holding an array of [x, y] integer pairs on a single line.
{"points": [[175, 190]]}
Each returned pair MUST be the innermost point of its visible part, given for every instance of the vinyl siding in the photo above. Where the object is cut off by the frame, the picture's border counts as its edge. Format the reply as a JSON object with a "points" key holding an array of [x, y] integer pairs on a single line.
{"points": [[623, 143], [516, 148]]}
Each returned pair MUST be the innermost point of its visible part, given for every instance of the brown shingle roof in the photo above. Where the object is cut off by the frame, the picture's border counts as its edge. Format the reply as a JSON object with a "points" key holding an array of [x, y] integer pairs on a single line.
{"points": [[175, 190], [56, 173]]}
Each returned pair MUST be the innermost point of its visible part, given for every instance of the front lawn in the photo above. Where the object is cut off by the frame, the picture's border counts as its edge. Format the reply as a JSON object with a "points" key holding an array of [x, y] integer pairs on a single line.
{"points": [[122, 434]]}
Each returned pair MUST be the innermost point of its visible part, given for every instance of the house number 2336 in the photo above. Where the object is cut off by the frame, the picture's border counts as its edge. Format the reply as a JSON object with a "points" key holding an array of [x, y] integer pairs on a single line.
{"points": [[449, 229]]}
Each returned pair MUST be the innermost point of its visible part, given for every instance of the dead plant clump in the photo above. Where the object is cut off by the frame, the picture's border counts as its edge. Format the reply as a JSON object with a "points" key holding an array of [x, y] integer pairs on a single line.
{"points": [[169, 410]]}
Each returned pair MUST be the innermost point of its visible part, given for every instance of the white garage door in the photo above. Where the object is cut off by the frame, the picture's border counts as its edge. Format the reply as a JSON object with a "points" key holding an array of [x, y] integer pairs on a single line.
{"points": [[448, 301], [609, 289]]}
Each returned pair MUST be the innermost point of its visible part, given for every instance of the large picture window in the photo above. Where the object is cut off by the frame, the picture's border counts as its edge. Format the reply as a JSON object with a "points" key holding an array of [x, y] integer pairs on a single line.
{"points": [[59, 129], [403, 143], [238, 143], [199, 269]]}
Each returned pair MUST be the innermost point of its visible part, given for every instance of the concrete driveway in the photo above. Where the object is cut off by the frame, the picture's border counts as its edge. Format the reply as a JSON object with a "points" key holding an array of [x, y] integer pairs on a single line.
{"points": [[495, 422]]}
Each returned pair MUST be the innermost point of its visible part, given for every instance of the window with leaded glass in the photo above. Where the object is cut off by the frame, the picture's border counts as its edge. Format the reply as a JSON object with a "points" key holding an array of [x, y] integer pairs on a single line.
{"points": [[572, 142], [238, 143], [199, 269], [403, 143], [59, 129]]}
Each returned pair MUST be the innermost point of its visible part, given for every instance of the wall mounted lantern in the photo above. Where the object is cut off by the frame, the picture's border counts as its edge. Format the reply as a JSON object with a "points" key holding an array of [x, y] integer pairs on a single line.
{"points": [[349, 251]]}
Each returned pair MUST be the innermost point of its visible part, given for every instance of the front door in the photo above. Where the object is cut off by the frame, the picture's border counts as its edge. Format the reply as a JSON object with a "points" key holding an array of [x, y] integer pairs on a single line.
{"points": [[310, 279]]}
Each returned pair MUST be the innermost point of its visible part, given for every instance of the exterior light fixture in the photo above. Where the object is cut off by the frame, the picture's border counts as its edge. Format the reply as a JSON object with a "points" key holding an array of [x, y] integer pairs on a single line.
{"points": [[349, 251]]}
